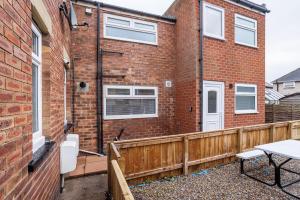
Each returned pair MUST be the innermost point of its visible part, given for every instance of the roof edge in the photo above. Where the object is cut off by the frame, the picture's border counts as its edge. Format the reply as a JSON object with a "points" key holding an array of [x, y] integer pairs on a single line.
{"points": [[104, 5], [261, 8]]}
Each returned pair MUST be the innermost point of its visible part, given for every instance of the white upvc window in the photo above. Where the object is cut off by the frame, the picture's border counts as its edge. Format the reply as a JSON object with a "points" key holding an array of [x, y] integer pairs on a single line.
{"points": [[127, 102], [289, 85], [38, 139], [213, 21], [245, 98], [128, 29], [65, 97], [245, 31]]}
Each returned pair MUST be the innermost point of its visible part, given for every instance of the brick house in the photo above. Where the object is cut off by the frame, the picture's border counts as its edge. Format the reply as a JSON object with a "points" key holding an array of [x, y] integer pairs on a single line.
{"points": [[142, 73], [160, 58]]}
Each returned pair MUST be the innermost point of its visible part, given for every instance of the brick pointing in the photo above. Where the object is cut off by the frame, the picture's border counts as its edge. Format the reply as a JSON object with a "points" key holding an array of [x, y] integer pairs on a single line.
{"points": [[16, 101]]}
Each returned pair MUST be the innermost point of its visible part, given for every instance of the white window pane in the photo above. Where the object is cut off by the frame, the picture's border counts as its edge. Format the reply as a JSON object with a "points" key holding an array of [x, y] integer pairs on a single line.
{"points": [[245, 89], [118, 91], [35, 44], [212, 102], [213, 21], [145, 92], [144, 26], [35, 99], [245, 22], [118, 21], [245, 103], [131, 34], [116, 107], [245, 36]]}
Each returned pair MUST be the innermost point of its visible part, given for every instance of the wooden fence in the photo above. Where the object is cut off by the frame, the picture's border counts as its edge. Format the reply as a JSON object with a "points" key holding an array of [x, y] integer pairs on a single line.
{"points": [[285, 111], [154, 158]]}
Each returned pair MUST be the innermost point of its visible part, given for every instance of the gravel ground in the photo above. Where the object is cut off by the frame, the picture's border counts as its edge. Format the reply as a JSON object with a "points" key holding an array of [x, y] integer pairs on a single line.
{"points": [[222, 182]]}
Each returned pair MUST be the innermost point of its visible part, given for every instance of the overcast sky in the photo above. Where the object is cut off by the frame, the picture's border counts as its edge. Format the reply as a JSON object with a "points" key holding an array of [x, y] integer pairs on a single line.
{"points": [[282, 37]]}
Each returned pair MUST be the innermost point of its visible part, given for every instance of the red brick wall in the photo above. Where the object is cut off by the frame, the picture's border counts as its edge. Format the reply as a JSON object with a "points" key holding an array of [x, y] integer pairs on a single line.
{"points": [[233, 63], [145, 65], [187, 65], [15, 101], [224, 61]]}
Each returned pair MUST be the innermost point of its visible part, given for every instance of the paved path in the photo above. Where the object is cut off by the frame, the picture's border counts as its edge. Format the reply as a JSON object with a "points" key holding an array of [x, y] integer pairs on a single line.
{"points": [[85, 188]]}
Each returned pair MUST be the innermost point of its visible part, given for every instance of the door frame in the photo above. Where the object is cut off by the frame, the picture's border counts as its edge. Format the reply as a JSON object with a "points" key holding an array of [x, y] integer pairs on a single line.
{"points": [[214, 83]]}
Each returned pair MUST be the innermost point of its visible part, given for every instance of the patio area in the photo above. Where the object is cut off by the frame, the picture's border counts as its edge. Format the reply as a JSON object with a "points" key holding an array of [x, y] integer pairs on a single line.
{"points": [[221, 182]]}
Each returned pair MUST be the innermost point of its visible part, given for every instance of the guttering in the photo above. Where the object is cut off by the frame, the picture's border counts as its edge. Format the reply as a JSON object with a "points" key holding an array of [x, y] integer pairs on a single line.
{"points": [[261, 8], [122, 9], [201, 66], [99, 87]]}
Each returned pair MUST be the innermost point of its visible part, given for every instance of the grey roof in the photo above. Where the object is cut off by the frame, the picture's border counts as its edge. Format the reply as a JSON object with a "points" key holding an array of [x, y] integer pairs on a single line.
{"points": [[269, 85], [273, 95], [292, 76], [252, 5]]}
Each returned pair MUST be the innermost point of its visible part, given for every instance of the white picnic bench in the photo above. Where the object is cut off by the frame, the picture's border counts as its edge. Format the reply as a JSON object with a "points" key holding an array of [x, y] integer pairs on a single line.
{"points": [[290, 149]]}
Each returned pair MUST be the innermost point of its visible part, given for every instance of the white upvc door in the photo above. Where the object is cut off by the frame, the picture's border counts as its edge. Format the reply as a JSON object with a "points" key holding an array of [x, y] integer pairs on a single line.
{"points": [[213, 105]]}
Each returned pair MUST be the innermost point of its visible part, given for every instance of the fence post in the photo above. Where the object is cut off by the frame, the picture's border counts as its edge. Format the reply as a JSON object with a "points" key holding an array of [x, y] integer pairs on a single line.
{"points": [[186, 155], [109, 167], [272, 133], [240, 140], [290, 130]]}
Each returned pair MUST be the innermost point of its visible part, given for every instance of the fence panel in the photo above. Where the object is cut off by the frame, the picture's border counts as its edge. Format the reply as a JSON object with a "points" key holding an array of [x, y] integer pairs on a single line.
{"points": [[120, 190], [154, 158]]}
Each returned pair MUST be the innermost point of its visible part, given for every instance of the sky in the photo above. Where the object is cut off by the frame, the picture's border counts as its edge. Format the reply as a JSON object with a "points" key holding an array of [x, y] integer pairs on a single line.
{"points": [[282, 31]]}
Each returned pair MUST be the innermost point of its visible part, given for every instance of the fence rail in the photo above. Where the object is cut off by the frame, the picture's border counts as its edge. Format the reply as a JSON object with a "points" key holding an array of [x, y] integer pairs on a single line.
{"points": [[154, 158]]}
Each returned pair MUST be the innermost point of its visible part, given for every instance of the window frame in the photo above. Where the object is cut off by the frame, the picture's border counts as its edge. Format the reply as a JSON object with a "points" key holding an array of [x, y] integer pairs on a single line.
{"points": [[285, 85], [249, 94], [214, 7], [130, 27], [38, 140], [236, 25], [131, 96]]}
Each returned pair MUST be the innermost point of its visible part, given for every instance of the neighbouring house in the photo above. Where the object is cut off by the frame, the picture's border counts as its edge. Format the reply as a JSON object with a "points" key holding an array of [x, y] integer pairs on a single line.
{"points": [[288, 84], [114, 71], [272, 96], [154, 68]]}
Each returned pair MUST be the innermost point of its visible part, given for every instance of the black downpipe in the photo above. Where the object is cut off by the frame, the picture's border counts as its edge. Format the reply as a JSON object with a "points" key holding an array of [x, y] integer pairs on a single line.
{"points": [[99, 87], [201, 70]]}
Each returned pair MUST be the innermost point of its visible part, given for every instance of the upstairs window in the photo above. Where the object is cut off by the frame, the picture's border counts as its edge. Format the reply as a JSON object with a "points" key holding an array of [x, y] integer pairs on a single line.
{"points": [[213, 21], [245, 31], [124, 102], [245, 98], [289, 85], [38, 139], [127, 29]]}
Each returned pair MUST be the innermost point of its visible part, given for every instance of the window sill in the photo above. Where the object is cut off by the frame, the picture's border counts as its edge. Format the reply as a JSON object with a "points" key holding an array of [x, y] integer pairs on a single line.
{"points": [[215, 38], [130, 117], [39, 155], [131, 41], [246, 45], [246, 112]]}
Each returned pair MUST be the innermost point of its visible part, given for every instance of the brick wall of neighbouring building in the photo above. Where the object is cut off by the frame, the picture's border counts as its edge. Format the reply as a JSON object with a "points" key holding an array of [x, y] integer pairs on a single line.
{"points": [[142, 65], [16, 98]]}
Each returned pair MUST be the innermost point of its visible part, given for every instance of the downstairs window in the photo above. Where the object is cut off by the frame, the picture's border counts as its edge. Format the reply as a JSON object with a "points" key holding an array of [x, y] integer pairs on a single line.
{"points": [[127, 102], [245, 98]]}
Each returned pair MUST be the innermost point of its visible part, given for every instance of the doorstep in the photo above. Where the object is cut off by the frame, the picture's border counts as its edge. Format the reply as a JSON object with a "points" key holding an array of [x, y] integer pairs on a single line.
{"points": [[89, 165]]}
